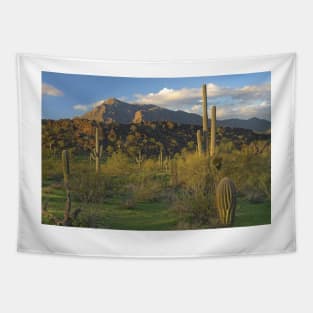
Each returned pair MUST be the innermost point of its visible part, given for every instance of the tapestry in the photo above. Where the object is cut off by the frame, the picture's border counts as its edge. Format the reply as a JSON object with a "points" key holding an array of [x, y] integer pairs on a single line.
{"points": [[186, 158]]}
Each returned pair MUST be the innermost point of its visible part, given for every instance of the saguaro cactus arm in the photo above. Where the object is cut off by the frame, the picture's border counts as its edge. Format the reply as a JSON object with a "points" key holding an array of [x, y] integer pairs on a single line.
{"points": [[199, 142], [92, 155]]}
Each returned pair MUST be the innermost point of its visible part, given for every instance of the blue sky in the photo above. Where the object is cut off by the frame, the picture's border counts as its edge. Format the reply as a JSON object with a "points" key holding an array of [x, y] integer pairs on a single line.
{"points": [[236, 96]]}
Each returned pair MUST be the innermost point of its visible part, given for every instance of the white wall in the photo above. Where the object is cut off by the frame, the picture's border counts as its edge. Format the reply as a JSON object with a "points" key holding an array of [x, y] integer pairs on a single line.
{"points": [[141, 30]]}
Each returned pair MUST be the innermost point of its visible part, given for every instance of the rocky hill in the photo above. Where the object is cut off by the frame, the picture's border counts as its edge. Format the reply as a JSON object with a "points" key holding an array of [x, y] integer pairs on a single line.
{"points": [[78, 135], [114, 110]]}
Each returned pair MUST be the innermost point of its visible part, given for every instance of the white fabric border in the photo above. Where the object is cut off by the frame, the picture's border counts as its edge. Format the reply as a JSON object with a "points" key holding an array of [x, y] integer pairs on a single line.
{"points": [[265, 239]]}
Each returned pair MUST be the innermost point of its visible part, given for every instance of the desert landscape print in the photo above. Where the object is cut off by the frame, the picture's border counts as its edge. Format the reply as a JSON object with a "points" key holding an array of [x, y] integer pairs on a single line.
{"points": [[156, 153]]}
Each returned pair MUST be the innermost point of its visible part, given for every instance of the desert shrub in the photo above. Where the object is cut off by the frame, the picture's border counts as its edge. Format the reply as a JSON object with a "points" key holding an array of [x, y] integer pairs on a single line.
{"points": [[149, 190], [250, 172], [145, 185], [195, 210], [150, 166], [52, 169], [118, 164], [194, 198], [136, 193], [257, 186], [195, 174], [225, 146], [217, 162], [265, 184], [89, 217], [87, 187], [128, 202]]}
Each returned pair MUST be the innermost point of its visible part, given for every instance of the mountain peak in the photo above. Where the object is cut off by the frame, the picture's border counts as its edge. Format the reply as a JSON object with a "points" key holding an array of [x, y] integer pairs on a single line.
{"points": [[111, 101], [115, 110]]}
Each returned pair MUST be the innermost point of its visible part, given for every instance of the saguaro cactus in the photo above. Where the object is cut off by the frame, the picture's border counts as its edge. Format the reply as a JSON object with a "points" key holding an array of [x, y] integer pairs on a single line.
{"points": [[205, 119], [139, 159], [97, 152], [66, 174], [66, 166], [167, 163], [161, 158], [199, 142], [213, 130], [226, 201]]}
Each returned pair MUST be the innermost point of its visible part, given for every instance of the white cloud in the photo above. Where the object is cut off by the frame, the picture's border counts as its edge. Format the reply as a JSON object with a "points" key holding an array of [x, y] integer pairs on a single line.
{"points": [[169, 97], [50, 90], [196, 108], [87, 107], [81, 107], [96, 104], [244, 102], [260, 110]]}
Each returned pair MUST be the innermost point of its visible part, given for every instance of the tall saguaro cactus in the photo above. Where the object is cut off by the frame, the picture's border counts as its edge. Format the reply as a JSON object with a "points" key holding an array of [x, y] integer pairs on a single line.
{"points": [[205, 119], [226, 201], [199, 142], [66, 174], [213, 130]]}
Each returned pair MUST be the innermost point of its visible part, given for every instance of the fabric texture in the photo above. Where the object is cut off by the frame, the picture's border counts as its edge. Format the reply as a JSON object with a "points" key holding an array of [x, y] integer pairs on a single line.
{"points": [[190, 158]]}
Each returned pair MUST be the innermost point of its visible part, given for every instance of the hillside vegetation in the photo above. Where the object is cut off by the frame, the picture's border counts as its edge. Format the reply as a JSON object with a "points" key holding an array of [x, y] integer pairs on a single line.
{"points": [[150, 175], [78, 135]]}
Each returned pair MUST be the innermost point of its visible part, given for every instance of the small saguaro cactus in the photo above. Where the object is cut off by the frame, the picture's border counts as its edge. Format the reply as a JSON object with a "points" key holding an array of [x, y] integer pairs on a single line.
{"points": [[167, 163], [96, 153], [66, 166], [161, 158], [139, 159], [226, 201], [52, 150], [50, 146], [66, 174], [91, 158], [199, 142]]}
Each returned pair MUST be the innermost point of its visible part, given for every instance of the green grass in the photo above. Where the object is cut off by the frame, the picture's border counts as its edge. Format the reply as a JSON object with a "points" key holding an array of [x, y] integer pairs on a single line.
{"points": [[248, 213], [113, 214], [122, 196]]}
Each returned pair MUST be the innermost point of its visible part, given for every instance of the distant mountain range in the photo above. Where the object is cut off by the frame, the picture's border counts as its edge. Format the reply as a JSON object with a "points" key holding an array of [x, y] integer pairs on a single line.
{"points": [[114, 110]]}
